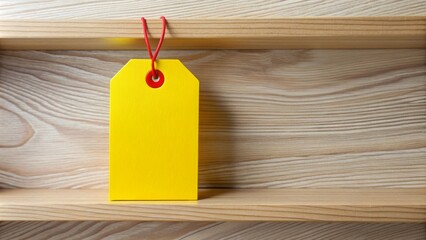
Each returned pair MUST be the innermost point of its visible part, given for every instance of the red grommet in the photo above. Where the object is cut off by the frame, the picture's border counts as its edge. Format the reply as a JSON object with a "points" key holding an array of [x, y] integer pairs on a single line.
{"points": [[152, 82]]}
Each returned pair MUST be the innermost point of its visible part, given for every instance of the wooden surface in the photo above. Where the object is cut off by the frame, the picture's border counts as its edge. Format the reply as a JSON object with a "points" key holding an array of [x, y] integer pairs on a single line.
{"points": [[369, 205], [75, 125], [361, 32], [85, 9], [268, 119], [211, 231]]}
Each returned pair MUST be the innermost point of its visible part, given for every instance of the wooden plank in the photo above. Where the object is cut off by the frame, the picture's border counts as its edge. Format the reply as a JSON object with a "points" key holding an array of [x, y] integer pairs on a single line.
{"points": [[211, 230], [346, 32], [268, 119], [83, 9], [364, 205]]}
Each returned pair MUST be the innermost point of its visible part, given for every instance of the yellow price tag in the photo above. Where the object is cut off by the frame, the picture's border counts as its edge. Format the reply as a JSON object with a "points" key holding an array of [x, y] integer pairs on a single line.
{"points": [[154, 132]]}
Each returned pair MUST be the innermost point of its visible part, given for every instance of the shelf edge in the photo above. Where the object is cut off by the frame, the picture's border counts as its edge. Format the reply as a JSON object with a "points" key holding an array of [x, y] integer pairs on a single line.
{"points": [[360, 205], [306, 32]]}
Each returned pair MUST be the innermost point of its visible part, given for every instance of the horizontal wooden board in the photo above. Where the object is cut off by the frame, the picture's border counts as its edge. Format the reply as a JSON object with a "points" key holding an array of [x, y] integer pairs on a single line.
{"points": [[369, 205], [211, 230], [268, 119], [83, 9], [347, 32]]}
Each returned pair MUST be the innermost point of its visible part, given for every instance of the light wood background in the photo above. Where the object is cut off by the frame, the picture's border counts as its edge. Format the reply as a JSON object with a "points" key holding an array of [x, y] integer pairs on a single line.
{"points": [[275, 119], [268, 119], [89, 9], [299, 118]]}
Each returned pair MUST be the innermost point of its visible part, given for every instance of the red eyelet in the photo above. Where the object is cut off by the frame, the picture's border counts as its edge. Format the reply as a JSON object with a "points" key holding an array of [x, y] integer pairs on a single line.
{"points": [[151, 82]]}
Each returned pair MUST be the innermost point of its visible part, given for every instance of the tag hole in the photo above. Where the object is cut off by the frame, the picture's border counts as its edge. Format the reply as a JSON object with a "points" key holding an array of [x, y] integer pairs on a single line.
{"points": [[155, 79], [155, 82]]}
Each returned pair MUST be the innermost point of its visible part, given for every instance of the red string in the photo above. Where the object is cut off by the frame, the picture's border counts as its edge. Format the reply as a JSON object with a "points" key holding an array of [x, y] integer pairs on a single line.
{"points": [[148, 45]]}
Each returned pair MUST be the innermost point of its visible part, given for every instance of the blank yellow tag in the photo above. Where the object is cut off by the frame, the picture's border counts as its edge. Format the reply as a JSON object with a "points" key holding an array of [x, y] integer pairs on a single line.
{"points": [[154, 133]]}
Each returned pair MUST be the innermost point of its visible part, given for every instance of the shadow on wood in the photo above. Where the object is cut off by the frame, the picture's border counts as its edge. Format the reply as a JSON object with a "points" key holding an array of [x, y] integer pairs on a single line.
{"points": [[216, 142]]}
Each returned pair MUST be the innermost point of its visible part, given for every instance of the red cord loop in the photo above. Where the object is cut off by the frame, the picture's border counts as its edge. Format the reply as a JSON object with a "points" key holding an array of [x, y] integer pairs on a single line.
{"points": [[148, 45]]}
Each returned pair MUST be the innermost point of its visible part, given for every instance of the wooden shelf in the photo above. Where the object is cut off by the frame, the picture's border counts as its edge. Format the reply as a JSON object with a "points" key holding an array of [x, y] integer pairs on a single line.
{"points": [[364, 205], [312, 32]]}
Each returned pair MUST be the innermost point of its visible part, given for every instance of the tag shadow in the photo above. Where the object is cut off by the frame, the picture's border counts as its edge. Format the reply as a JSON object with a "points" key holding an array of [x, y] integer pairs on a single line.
{"points": [[216, 146]]}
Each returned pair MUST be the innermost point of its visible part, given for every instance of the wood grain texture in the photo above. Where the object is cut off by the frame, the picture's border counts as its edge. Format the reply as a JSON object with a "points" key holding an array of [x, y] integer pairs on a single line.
{"points": [[348, 32], [361, 205], [211, 230], [87, 9], [268, 119]]}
